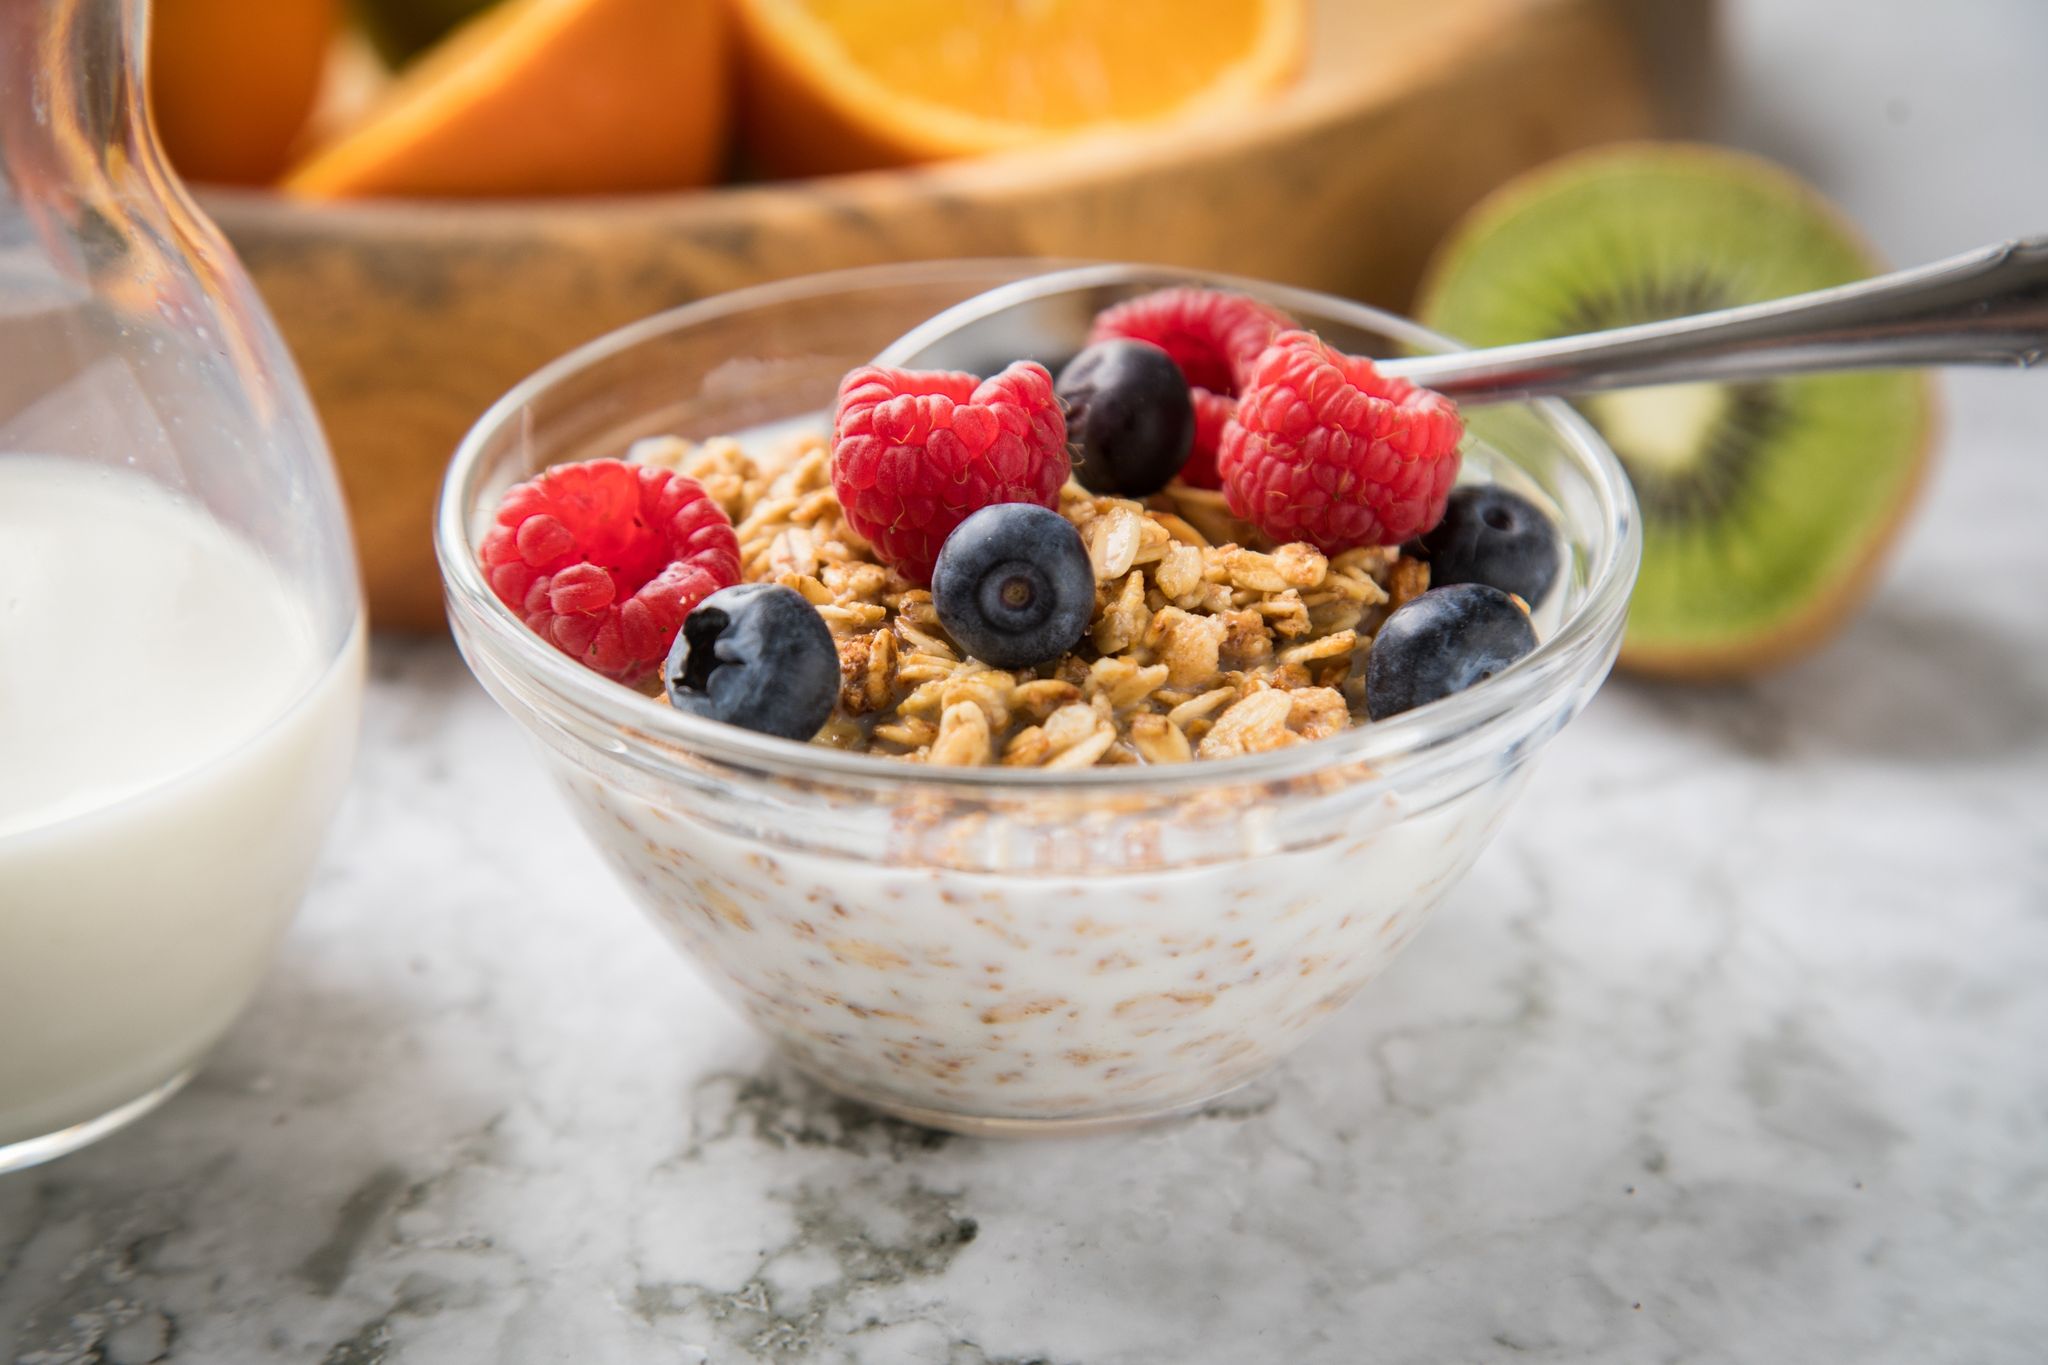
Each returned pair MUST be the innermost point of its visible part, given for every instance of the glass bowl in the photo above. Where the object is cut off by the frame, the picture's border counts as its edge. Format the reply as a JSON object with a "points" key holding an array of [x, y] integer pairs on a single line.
{"points": [[1006, 951]]}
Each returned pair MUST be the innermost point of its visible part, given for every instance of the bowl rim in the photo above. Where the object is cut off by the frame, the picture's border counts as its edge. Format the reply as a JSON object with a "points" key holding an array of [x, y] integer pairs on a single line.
{"points": [[1451, 729]]}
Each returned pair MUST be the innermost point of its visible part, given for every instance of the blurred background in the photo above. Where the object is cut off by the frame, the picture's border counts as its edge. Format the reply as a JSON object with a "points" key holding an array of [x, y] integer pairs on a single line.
{"points": [[438, 196]]}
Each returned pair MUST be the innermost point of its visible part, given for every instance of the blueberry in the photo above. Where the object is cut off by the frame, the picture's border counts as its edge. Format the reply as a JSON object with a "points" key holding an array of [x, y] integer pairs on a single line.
{"points": [[1443, 642], [758, 656], [1013, 586], [1129, 417], [1489, 535]]}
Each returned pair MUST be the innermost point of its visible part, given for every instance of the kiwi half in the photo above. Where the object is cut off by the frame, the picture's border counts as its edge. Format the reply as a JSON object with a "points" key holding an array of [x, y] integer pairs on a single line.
{"points": [[1767, 507]]}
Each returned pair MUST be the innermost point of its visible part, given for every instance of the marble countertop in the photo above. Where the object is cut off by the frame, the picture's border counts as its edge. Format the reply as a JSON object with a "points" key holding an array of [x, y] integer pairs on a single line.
{"points": [[1730, 1049]]}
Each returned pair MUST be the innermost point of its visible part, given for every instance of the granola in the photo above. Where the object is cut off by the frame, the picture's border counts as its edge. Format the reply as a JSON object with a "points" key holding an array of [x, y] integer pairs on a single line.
{"points": [[1207, 641]]}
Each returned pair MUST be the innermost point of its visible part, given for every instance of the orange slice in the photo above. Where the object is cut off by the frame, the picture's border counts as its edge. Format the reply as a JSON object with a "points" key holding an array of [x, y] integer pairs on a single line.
{"points": [[231, 82], [841, 85], [541, 97]]}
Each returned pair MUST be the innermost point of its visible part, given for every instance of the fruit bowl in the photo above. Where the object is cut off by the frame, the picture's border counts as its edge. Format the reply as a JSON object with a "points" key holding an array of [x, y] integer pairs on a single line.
{"points": [[409, 317], [1001, 950]]}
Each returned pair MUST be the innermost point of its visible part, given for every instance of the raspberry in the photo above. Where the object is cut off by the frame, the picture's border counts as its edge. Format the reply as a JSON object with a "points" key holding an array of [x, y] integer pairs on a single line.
{"points": [[1212, 410], [604, 559], [915, 453], [1214, 336], [1325, 448]]}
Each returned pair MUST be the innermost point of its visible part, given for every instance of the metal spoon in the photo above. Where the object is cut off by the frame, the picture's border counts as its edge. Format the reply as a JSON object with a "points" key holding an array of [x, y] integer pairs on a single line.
{"points": [[1985, 307]]}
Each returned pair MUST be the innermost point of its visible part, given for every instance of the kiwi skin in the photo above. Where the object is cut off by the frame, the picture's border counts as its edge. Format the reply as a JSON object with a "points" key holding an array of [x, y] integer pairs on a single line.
{"points": [[1829, 607]]}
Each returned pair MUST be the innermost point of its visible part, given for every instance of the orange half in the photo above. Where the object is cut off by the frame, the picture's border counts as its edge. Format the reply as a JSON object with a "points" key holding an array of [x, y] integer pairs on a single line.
{"points": [[841, 85], [538, 97], [231, 82]]}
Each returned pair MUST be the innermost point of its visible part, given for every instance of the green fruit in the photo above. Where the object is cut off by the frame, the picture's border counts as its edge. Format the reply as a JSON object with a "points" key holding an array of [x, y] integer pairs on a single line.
{"points": [[402, 29], [1767, 507]]}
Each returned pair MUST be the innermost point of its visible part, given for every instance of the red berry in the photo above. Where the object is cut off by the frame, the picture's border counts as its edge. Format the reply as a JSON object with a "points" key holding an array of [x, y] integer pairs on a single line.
{"points": [[916, 452], [1325, 448], [1215, 337], [604, 559], [1212, 411]]}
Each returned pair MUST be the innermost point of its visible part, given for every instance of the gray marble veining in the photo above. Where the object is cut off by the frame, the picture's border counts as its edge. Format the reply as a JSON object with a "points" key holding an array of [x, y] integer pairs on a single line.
{"points": [[1729, 1050]]}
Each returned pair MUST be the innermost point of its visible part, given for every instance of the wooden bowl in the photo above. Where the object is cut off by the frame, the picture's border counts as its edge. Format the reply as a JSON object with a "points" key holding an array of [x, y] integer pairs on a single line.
{"points": [[409, 318]]}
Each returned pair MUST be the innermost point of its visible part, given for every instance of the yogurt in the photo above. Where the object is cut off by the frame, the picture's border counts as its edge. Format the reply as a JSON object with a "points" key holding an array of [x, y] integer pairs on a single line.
{"points": [[174, 735]]}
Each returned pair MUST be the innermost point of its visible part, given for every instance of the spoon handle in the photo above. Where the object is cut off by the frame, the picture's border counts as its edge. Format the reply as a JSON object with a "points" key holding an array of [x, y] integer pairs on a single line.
{"points": [[1985, 307]]}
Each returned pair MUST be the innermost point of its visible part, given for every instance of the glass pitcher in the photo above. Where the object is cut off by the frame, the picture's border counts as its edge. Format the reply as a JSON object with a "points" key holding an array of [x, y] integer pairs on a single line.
{"points": [[181, 637]]}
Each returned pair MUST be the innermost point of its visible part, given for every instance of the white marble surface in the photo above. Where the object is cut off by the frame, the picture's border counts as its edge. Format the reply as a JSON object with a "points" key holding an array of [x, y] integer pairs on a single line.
{"points": [[1729, 1050]]}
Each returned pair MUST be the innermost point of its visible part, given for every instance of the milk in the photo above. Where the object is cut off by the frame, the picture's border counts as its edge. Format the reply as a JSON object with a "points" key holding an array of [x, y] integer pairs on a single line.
{"points": [[174, 734], [959, 998]]}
